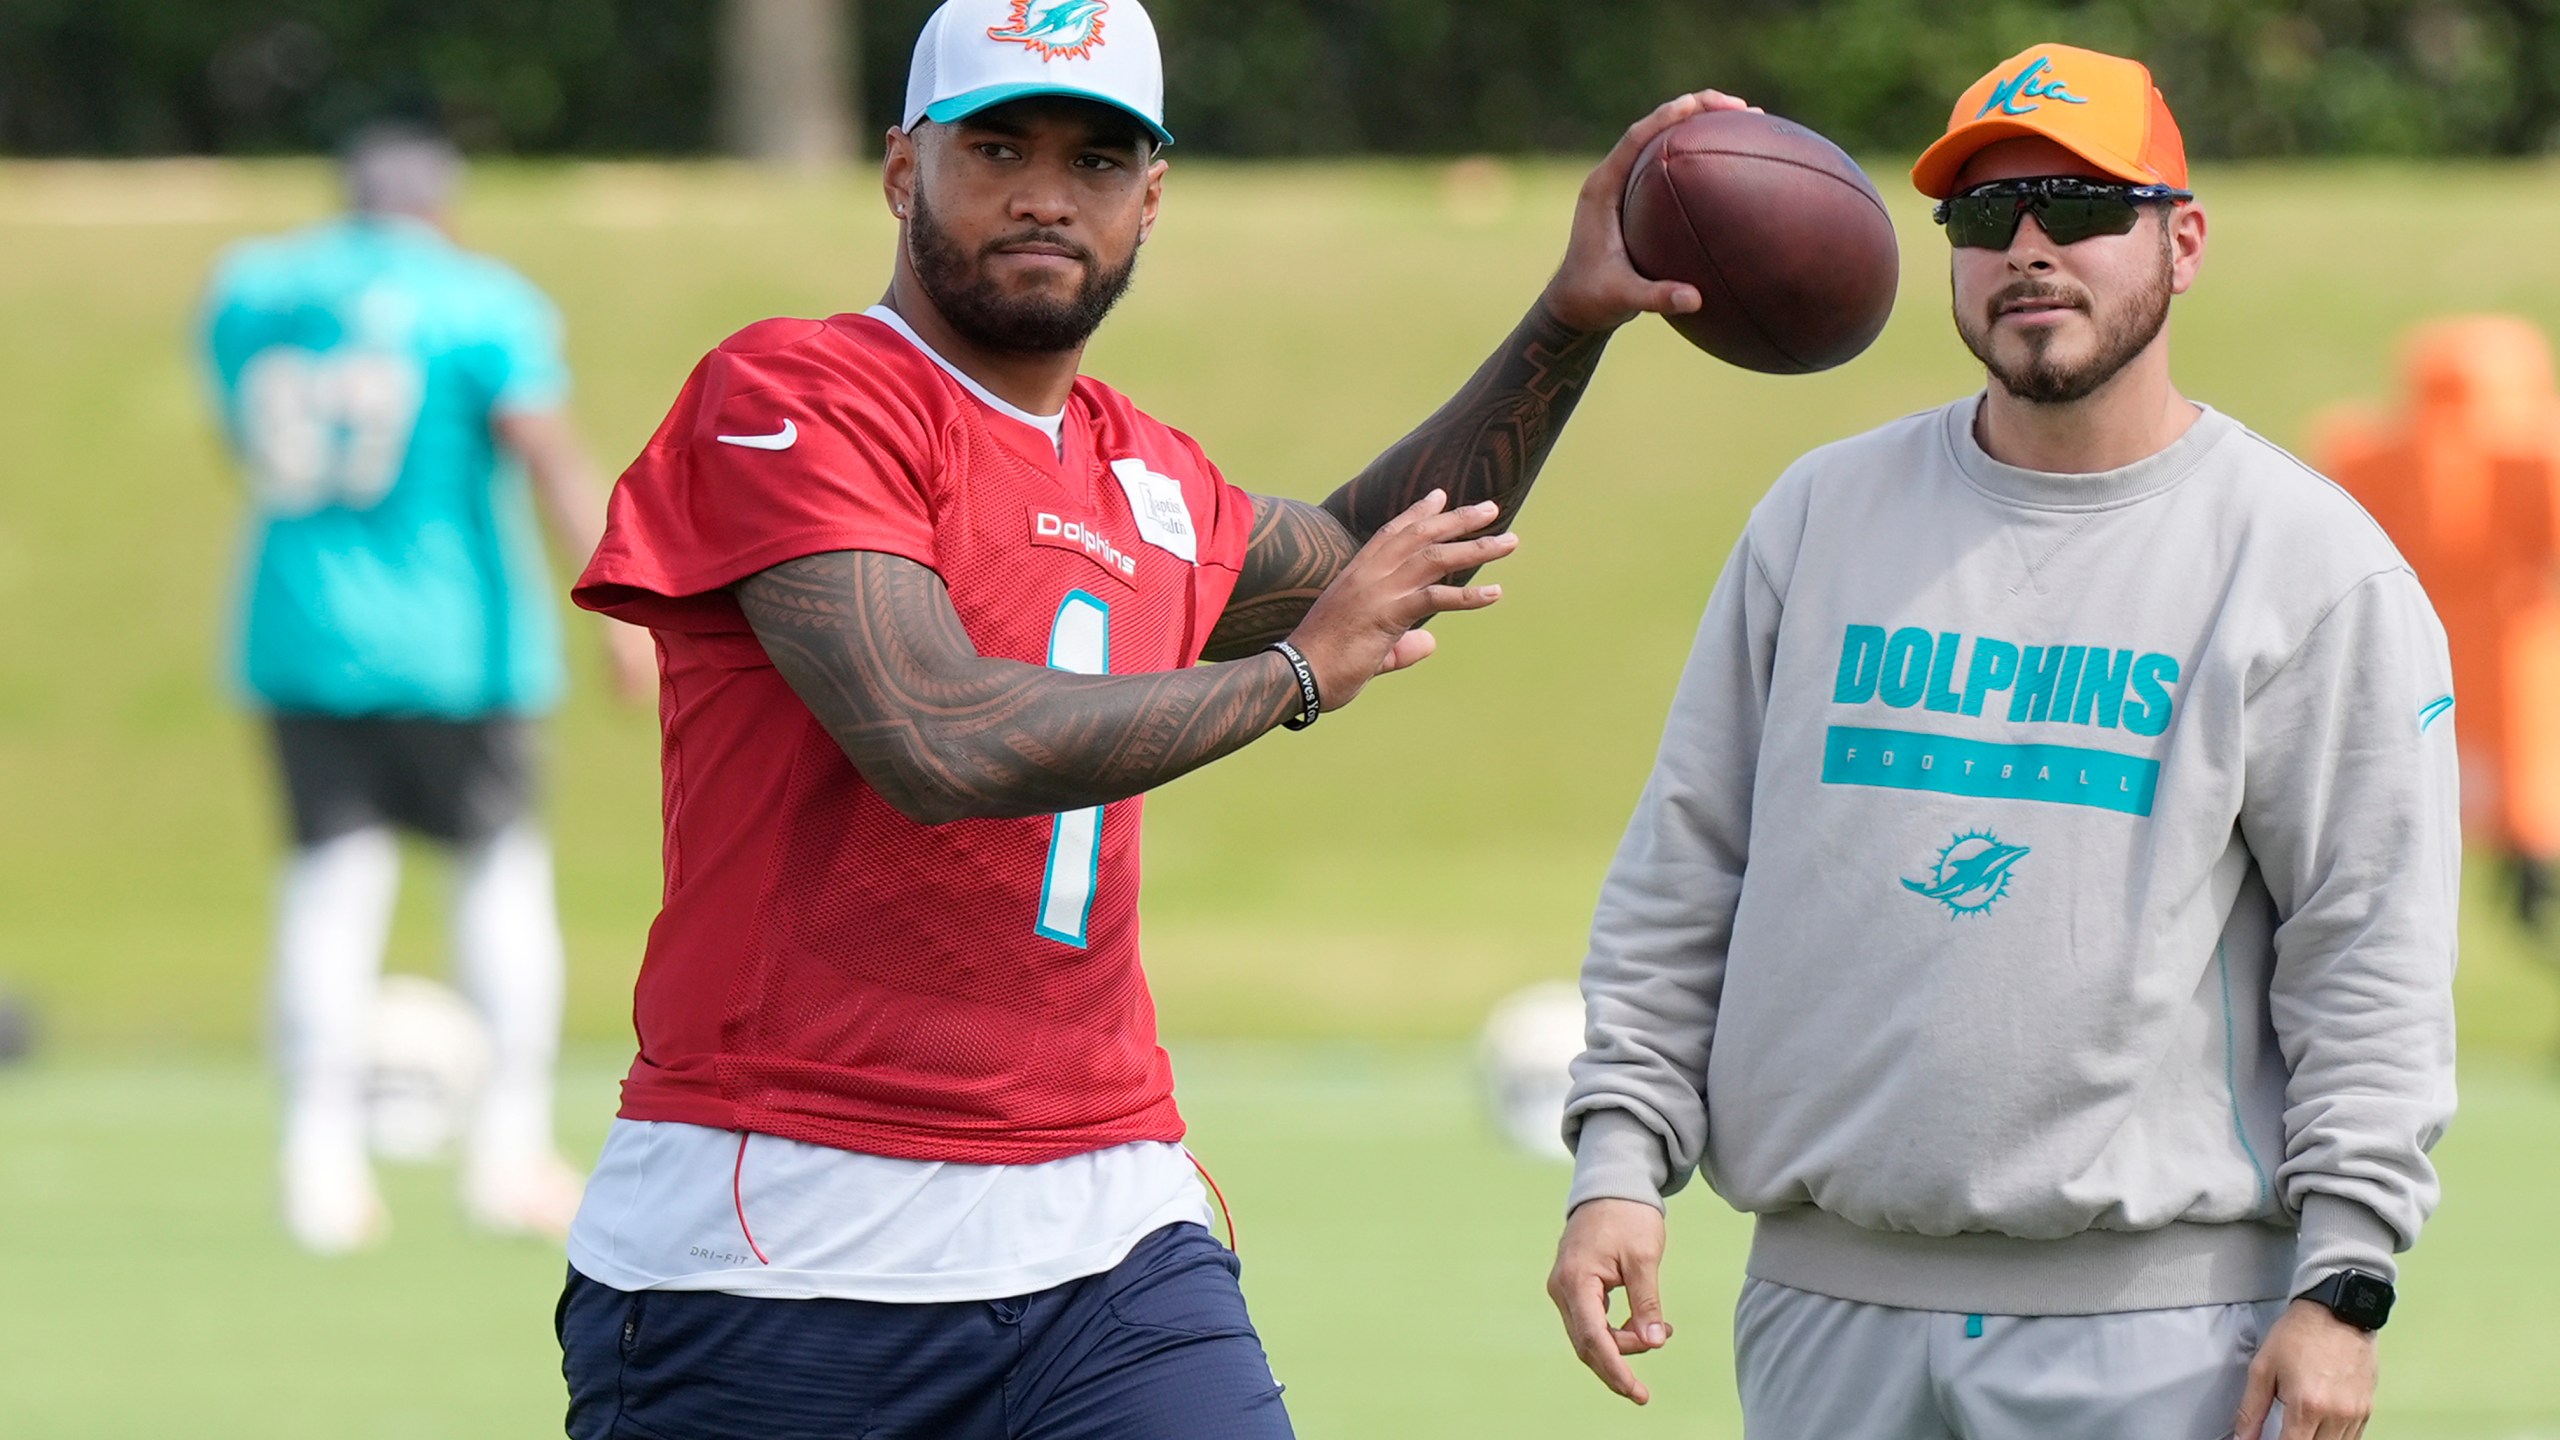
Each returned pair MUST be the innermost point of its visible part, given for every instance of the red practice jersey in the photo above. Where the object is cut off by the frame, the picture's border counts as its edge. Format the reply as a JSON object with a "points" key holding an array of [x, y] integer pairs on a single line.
{"points": [[823, 968]]}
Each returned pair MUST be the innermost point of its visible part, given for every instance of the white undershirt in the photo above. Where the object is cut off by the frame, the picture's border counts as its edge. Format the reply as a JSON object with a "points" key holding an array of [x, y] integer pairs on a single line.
{"points": [[1053, 426], [671, 1207], [685, 1207]]}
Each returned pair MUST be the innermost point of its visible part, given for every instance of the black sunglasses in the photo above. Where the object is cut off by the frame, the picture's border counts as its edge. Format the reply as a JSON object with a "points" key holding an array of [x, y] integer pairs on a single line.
{"points": [[2069, 210]]}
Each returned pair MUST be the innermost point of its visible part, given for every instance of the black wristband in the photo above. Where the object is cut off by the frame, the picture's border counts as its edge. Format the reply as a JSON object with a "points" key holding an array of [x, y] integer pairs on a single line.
{"points": [[1310, 704]]}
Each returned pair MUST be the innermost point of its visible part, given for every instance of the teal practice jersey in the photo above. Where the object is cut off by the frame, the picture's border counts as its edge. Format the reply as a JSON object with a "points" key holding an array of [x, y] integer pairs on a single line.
{"points": [[391, 561]]}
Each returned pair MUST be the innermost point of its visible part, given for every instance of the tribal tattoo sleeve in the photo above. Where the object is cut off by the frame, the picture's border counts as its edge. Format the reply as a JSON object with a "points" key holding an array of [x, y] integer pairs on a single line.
{"points": [[1294, 551], [872, 645], [1486, 443]]}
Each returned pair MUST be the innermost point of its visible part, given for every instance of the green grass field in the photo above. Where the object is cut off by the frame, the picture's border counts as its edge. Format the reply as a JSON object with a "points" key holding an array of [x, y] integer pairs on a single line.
{"points": [[1394, 1253], [1327, 914]]}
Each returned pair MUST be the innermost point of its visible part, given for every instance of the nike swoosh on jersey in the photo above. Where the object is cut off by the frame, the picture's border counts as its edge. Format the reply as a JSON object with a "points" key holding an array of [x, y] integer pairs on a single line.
{"points": [[781, 439]]}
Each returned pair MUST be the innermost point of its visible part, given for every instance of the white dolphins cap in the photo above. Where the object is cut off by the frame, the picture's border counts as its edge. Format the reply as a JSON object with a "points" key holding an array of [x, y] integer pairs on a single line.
{"points": [[978, 53]]}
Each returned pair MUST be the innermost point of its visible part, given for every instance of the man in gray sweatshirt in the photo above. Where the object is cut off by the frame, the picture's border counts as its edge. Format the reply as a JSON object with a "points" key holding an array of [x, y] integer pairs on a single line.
{"points": [[2040, 916]]}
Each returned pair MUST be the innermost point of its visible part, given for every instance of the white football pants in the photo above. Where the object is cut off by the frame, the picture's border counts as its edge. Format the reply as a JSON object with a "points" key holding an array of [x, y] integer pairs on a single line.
{"points": [[334, 918], [1816, 1368]]}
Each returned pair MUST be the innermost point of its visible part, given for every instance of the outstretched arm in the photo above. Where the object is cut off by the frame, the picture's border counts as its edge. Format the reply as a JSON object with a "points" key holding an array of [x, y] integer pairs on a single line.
{"points": [[1489, 441], [871, 643], [1486, 444]]}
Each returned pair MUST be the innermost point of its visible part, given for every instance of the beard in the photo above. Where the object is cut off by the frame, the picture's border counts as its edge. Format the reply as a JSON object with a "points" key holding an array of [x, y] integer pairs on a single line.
{"points": [[976, 306], [2043, 378]]}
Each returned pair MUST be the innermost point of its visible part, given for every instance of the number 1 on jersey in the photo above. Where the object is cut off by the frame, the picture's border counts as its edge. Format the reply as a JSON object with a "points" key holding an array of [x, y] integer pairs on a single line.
{"points": [[1079, 643]]}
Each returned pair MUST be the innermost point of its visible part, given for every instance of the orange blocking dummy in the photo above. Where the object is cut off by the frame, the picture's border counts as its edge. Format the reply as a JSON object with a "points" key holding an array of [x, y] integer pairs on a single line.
{"points": [[2466, 480]]}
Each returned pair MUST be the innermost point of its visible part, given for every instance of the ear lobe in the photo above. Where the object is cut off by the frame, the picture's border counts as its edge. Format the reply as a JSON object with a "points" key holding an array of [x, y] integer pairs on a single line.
{"points": [[898, 166], [2187, 243], [1154, 198]]}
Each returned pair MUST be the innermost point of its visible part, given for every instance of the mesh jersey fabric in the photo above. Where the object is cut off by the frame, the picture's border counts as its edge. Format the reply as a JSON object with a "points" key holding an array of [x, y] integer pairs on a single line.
{"points": [[823, 968], [391, 564]]}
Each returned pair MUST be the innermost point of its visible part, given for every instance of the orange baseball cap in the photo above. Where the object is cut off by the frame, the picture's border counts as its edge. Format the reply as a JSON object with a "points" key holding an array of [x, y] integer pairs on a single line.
{"points": [[2102, 108]]}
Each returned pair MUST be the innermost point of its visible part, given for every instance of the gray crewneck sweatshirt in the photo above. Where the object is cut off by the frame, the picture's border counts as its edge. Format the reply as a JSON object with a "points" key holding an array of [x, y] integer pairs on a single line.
{"points": [[2043, 901]]}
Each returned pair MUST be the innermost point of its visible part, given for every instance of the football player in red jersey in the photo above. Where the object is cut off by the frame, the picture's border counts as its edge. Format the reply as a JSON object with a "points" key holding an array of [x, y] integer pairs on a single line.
{"points": [[932, 607]]}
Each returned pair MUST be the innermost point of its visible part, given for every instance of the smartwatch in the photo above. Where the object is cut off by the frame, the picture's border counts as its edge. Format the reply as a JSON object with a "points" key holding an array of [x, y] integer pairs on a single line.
{"points": [[2355, 1297]]}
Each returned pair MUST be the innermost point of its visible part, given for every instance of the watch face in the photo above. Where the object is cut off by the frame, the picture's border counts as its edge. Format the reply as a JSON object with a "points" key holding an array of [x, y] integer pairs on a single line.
{"points": [[2364, 1301]]}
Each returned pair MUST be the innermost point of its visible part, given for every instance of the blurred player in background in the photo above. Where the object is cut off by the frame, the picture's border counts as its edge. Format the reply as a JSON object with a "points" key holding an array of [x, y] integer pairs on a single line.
{"points": [[2041, 914], [381, 387], [2465, 477], [899, 1155]]}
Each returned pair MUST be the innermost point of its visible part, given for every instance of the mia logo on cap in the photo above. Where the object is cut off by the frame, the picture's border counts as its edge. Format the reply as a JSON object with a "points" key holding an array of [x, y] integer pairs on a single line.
{"points": [[1055, 29], [2025, 86]]}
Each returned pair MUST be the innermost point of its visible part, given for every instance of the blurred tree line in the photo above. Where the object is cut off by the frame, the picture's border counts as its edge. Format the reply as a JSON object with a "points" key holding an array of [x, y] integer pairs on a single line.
{"points": [[1264, 77]]}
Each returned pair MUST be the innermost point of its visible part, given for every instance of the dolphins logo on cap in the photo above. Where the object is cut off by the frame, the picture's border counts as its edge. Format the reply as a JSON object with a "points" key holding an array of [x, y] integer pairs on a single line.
{"points": [[1055, 29]]}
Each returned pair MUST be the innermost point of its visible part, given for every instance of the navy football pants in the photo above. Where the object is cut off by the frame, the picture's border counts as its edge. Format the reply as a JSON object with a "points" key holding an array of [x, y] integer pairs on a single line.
{"points": [[1157, 1348]]}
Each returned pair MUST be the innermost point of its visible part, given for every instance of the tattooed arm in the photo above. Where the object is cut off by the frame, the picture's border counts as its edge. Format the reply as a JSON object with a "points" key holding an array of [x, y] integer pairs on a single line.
{"points": [[1486, 444], [871, 643], [1492, 438], [1489, 441]]}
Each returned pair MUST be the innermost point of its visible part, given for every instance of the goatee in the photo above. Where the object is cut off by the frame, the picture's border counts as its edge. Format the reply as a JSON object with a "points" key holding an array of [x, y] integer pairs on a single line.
{"points": [[976, 306], [2042, 378]]}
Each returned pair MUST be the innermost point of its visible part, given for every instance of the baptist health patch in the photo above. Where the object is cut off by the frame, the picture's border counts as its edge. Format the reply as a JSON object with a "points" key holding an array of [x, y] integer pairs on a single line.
{"points": [[1164, 517]]}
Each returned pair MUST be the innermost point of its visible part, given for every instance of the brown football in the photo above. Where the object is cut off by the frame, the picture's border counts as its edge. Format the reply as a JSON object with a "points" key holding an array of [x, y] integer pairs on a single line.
{"points": [[1787, 241]]}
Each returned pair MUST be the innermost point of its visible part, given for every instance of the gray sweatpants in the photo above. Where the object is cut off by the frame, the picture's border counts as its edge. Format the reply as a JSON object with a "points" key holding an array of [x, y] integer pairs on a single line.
{"points": [[1815, 1368]]}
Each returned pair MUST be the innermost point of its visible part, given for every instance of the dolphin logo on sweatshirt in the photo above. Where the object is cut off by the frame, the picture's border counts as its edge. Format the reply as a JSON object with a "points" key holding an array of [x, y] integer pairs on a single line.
{"points": [[1972, 873]]}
